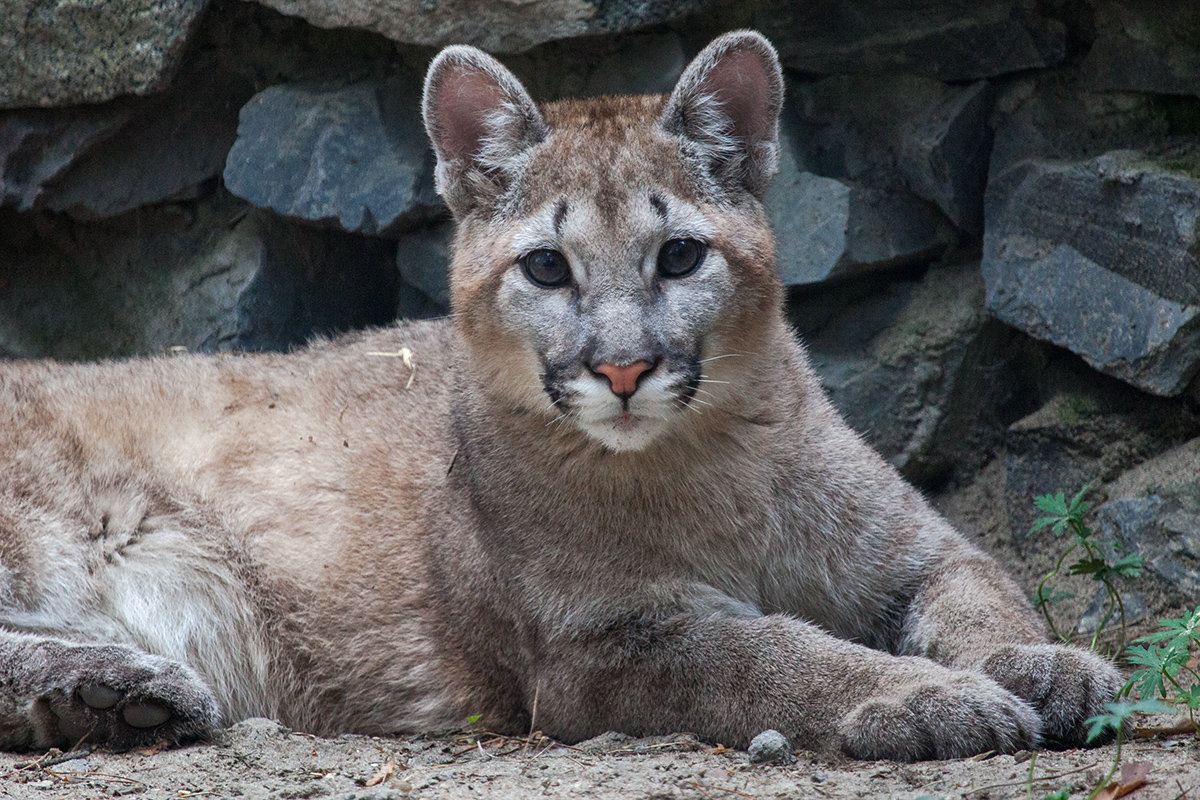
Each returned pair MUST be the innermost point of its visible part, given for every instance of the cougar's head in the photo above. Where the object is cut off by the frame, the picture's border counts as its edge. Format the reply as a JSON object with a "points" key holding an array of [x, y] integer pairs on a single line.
{"points": [[613, 265]]}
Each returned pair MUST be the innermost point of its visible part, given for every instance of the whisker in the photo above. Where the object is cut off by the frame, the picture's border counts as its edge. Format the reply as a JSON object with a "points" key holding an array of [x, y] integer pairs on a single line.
{"points": [[714, 358], [709, 380], [561, 418]]}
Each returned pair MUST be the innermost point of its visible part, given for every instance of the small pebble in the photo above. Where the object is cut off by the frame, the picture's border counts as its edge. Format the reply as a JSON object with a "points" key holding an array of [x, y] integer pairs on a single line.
{"points": [[770, 747]]}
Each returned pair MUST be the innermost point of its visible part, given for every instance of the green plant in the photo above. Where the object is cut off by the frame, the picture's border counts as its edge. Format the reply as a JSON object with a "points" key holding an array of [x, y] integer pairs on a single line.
{"points": [[1103, 561], [1168, 668], [1116, 720]]}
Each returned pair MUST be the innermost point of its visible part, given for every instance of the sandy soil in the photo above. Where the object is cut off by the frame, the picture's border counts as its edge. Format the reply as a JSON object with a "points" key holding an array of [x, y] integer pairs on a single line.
{"points": [[259, 759]]}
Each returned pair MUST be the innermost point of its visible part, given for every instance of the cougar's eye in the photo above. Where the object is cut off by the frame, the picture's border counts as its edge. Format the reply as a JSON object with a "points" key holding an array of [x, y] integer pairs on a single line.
{"points": [[546, 268], [680, 257]]}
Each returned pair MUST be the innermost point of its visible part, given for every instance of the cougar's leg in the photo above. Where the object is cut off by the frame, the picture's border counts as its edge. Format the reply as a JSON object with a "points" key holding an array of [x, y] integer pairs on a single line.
{"points": [[58, 693], [124, 619]]}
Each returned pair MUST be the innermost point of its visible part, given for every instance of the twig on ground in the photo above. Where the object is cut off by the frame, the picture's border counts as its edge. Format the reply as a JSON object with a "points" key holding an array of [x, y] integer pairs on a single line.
{"points": [[1178, 729], [1042, 779]]}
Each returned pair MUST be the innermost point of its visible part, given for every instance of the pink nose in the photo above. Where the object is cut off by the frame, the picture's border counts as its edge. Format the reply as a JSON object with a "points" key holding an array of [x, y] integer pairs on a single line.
{"points": [[624, 379]]}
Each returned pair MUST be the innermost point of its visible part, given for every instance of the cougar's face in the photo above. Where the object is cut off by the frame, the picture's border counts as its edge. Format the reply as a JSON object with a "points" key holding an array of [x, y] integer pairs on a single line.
{"points": [[609, 286], [616, 310]]}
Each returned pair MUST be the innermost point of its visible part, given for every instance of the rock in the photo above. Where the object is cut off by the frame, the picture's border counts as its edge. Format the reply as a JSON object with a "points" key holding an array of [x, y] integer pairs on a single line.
{"points": [[1146, 46], [892, 131], [205, 276], [253, 736], [952, 40], [423, 260], [1058, 115], [770, 747], [1132, 600], [1091, 430], [56, 52], [506, 27], [828, 230], [352, 157], [38, 146], [1165, 530], [635, 63], [1100, 257], [1156, 512], [101, 162], [944, 154], [314, 282], [917, 367]]}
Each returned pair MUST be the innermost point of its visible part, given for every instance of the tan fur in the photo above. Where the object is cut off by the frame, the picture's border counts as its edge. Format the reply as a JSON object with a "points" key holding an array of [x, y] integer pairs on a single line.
{"points": [[350, 543]]}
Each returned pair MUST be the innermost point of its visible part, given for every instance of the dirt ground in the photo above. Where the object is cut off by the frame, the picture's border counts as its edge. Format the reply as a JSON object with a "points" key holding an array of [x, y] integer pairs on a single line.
{"points": [[259, 759]]}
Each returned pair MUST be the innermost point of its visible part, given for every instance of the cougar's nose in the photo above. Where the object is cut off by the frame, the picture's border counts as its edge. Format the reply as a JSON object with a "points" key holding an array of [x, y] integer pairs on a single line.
{"points": [[623, 380]]}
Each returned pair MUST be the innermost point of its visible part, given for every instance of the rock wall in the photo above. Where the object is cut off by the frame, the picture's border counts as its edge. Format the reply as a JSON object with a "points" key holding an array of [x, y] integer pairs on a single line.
{"points": [[988, 210]]}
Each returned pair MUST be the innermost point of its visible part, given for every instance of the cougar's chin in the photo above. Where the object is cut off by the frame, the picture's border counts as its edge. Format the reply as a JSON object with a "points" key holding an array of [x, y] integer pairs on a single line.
{"points": [[625, 432]]}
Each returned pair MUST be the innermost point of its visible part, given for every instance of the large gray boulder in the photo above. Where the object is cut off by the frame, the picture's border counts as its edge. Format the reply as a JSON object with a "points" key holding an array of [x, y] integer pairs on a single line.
{"points": [[1165, 530], [828, 229], [351, 157], [953, 40], [101, 161], [206, 276], [61, 52], [1100, 257], [507, 26], [38, 146], [1146, 46], [898, 132]]}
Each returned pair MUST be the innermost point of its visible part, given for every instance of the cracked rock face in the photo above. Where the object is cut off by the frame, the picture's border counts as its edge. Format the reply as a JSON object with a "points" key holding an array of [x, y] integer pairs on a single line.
{"points": [[351, 157], [1100, 257], [952, 40], [206, 276], [103, 161]]}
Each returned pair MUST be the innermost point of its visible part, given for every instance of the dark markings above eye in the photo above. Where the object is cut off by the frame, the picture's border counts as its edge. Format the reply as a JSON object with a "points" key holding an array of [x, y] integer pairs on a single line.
{"points": [[660, 206], [560, 214]]}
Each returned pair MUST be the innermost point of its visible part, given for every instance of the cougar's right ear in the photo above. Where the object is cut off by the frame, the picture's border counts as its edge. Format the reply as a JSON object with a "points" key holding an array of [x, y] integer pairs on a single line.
{"points": [[482, 124], [725, 109]]}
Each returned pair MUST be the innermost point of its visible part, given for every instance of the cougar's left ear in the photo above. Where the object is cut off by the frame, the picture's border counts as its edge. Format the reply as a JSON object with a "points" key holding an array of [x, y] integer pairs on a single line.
{"points": [[725, 108], [482, 124]]}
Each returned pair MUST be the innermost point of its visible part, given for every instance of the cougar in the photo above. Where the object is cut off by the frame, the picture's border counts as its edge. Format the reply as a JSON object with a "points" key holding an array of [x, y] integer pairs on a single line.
{"points": [[607, 494]]}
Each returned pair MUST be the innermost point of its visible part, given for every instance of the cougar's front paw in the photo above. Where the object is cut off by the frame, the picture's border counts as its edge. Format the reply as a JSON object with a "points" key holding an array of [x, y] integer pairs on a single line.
{"points": [[1066, 685], [966, 715], [121, 698]]}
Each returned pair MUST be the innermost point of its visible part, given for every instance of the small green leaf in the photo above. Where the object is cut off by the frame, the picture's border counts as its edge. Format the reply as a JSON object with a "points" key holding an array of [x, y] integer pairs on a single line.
{"points": [[1054, 504], [474, 718], [1042, 523], [1078, 507], [1128, 566], [1118, 713], [1190, 697], [1088, 566]]}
